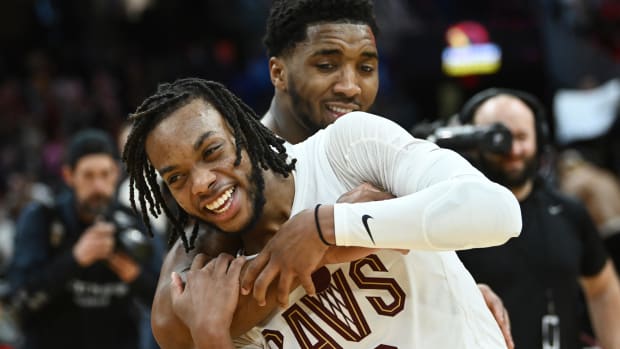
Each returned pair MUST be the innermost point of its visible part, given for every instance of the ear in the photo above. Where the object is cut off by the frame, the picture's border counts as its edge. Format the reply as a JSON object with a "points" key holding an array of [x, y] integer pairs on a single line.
{"points": [[277, 73], [67, 175]]}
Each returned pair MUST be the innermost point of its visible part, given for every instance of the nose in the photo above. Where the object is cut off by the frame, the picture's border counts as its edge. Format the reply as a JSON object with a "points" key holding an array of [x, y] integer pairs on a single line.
{"points": [[348, 84], [203, 180], [517, 148], [101, 184]]}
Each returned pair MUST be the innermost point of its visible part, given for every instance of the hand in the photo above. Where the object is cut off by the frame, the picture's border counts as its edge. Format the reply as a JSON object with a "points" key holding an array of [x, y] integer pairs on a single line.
{"points": [[125, 267], [496, 306], [365, 192], [295, 251], [96, 243], [208, 299]]}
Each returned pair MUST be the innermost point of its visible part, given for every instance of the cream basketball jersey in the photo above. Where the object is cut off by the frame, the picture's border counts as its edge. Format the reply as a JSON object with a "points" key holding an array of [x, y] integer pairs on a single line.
{"points": [[423, 299]]}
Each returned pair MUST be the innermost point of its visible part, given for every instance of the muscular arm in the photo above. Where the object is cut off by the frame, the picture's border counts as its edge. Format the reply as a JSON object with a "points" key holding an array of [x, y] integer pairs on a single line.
{"points": [[602, 292], [168, 329]]}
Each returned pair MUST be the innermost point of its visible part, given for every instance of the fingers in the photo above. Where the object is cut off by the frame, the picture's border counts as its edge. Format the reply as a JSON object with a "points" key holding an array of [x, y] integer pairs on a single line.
{"points": [[261, 285], [308, 285], [284, 288], [234, 269], [199, 261], [176, 285], [222, 262], [251, 272], [495, 304]]}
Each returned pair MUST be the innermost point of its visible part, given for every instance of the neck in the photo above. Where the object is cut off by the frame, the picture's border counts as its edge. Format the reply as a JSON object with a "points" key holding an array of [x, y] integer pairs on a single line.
{"points": [[522, 192], [279, 194], [280, 119]]}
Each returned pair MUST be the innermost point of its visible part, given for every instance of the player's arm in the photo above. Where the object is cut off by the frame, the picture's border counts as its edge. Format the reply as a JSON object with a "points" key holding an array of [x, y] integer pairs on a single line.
{"points": [[602, 294], [214, 288], [442, 204], [169, 330]]}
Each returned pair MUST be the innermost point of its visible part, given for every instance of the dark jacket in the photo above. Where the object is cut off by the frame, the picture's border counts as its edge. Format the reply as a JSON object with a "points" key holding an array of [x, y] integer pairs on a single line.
{"points": [[63, 305]]}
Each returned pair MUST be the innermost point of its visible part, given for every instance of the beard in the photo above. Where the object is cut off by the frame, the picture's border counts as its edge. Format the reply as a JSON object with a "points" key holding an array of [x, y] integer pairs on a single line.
{"points": [[509, 180], [300, 108], [96, 205], [257, 197]]}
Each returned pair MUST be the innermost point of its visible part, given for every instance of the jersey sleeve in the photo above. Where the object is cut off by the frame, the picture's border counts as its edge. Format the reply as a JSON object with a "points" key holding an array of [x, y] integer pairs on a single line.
{"points": [[442, 202]]}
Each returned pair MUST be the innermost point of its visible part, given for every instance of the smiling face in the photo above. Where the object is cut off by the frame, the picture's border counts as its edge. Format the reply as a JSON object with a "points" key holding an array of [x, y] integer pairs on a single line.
{"points": [[519, 165], [332, 72], [193, 150]]}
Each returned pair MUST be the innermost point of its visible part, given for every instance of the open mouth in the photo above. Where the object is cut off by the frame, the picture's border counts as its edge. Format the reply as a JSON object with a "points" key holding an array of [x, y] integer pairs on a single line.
{"points": [[222, 203], [339, 111]]}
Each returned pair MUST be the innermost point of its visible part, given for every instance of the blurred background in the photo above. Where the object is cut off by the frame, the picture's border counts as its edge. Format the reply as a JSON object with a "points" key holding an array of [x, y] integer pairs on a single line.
{"points": [[68, 65]]}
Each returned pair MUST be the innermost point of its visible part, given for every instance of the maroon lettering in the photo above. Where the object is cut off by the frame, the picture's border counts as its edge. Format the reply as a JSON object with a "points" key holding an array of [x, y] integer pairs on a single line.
{"points": [[302, 326], [273, 337], [375, 283], [339, 309]]}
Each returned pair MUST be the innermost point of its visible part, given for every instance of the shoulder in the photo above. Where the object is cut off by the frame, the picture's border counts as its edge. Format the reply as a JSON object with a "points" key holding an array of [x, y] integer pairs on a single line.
{"points": [[361, 121], [572, 207], [362, 127], [35, 213]]}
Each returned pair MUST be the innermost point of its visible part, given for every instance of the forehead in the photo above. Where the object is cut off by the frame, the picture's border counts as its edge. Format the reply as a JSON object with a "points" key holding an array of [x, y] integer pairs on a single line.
{"points": [[510, 111], [343, 36], [93, 162], [186, 124]]}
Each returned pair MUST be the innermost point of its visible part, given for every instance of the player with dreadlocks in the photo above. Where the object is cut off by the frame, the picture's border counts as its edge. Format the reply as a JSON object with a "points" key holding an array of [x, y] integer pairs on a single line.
{"points": [[443, 204], [266, 151], [323, 63]]}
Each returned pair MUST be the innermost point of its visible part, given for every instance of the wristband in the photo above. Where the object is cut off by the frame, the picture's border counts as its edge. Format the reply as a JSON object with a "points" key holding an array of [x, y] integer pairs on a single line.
{"points": [[318, 227]]}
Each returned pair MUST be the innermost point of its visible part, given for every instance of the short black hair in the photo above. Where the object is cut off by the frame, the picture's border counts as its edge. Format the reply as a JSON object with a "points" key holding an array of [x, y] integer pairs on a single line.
{"points": [[289, 19], [88, 142], [265, 150]]}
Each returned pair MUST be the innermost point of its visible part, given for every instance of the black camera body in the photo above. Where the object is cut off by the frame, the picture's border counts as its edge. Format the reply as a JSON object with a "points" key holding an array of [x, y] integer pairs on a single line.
{"points": [[495, 138], [130, 237]]}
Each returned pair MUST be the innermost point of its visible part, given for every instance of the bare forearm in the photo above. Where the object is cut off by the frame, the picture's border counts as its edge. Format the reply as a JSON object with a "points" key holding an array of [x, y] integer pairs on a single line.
{"points": [[604, 310], [602, 293]]}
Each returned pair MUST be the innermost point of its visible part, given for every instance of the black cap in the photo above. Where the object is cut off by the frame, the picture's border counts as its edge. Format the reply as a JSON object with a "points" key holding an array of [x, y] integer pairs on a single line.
{"points": [[88, 142]]}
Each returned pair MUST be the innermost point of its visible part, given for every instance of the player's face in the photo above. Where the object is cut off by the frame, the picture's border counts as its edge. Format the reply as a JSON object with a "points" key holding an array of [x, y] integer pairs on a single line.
{"points": [[519, 165], [333, 72], [93, 180], [194, 151]]}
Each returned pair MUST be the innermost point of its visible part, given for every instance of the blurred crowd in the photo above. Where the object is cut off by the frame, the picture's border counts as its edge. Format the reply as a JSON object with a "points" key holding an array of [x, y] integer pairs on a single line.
{"points": [[70, 65]]}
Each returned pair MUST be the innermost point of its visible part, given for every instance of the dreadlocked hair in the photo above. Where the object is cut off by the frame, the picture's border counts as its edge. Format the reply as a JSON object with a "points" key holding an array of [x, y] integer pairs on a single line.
{"points": [[267, 150], [289, 19]]}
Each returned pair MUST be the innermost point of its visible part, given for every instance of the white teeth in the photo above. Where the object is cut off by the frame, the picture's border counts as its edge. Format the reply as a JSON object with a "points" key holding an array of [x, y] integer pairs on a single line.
{"points": [[216, 205], [339, 110]]}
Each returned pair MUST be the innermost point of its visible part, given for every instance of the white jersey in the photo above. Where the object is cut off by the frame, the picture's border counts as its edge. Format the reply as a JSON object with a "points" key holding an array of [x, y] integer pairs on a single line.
{"points": [[424, 299]]}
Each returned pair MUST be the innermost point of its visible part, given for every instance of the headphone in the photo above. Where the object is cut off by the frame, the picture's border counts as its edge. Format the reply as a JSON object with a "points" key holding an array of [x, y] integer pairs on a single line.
{"points": [[466, 115]]}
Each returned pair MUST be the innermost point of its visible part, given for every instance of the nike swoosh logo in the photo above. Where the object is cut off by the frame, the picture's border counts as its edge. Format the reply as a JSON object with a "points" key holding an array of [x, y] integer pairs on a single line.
{"points": [[365, 222]]}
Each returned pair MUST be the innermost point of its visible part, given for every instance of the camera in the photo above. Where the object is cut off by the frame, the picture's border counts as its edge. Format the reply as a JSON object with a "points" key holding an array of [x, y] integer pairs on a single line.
{"points": [[130, 239], [495, 138]]}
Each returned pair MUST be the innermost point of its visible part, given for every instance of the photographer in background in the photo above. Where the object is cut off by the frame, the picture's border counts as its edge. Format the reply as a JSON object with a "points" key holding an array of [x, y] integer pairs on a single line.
{"points": [[80, 265], [538, 275]]}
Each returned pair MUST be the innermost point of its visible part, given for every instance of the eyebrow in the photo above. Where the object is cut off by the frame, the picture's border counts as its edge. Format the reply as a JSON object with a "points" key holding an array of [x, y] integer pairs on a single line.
{"points": [[331, 52], [203, 137]]}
